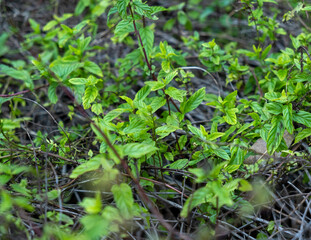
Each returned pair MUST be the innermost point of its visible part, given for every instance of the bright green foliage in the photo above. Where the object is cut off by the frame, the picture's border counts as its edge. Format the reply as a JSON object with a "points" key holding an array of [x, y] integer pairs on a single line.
{"points": [[139, 140]]}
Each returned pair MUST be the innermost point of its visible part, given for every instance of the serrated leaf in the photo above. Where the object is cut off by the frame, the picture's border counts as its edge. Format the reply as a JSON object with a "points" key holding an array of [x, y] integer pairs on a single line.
{"points": [[122, 6], [230, 99], [93, 68], [123, 28], [230, 116], [123, 197], [303, 118], [137, 150], [97, 108], [165, 130], [169, 77], [147, 37], [112, 11], [166, 66], [64, 68], [176, 94], [52, 93], [90, 95], [303, 134], [155, 85], [156, 103], [281, 74], [155, 9], [136, 125], [274, 108], [275, 134], [194, 101], [288, 118], [142, 93]]}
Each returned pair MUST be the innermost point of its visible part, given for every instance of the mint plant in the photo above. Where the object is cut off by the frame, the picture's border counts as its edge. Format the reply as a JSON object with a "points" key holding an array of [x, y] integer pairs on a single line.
{"points": [[142, 143]]}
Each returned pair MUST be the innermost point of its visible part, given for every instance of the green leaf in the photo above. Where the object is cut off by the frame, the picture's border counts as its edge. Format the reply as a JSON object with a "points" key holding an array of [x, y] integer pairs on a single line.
{"points": [[136, 125], [137, 150], [147, 37], [91, 165], [182, 17], [52, 92], [194, 101], [266, 51], [95, 226], [221, 153], [303, 118], [17, 74], [156, 103], [82, 4], [245, 186], [166, 66], [50, 25], [21, 188], [197, 132], [123, 197], [63, 68], [92, 68], [90, 95], [78, 81], [275, 134], [230, 116], [113, 114], [165, 130], [281, 74], [274, 108], [155, 85], [295, 42], [303, 134], [35, 26], [179, 164], [123, 28], [230, 99], [200, 196], [3, 39], [122, 6], [288, 118], [176, 94], [9, 124], [78, 28], [92, 205], [170, 76], [97, 108], [214, 136], [142, 93]]}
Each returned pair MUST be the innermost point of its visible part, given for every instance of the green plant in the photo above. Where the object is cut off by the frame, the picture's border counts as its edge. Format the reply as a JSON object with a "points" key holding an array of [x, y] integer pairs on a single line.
{"points": [[130, 145]]}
